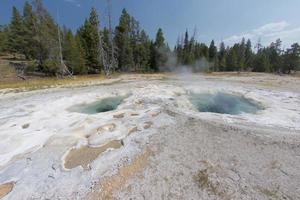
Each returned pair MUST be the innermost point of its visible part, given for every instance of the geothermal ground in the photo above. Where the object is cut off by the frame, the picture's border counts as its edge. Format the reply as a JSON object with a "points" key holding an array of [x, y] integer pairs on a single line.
{"points": [[155, 144]]}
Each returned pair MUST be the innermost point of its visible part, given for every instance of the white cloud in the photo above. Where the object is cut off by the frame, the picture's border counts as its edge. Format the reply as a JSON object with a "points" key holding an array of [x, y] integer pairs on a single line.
{"points": [[75, 2], [269, 33]]}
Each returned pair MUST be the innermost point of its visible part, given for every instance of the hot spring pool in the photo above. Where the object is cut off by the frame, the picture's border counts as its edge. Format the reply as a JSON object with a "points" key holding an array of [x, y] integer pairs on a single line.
{"points": [[103, 105], [224, 103]]}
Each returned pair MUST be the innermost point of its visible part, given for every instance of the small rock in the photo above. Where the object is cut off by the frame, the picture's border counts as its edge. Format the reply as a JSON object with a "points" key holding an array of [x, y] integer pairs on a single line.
{"points": [[133, 130], [108, 127], [54, 167], [119, 116], [139, 102], [148, 125], [178, 94], [51, 176], [28, 161], [171, 113], [154, 114], [25, 126]]}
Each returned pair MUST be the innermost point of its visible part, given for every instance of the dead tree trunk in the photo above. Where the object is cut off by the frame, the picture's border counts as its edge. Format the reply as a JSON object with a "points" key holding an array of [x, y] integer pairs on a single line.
{"points": [[63, 69], [107, 56]]}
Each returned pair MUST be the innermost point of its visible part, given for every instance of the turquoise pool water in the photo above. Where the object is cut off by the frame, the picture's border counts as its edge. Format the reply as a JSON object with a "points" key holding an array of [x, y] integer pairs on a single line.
{"points": [[224, 103], [103, 105]]}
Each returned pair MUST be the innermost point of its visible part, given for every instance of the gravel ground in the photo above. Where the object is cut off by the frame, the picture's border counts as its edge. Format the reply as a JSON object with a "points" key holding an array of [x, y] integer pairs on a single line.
{"points": [[198, 159]]}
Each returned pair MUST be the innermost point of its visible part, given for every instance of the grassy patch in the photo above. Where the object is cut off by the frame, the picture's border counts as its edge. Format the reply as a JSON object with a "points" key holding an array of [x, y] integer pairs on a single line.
{"points": [[202, 179], [5, 70], [42, 83], [209, 180], [271, 193]]}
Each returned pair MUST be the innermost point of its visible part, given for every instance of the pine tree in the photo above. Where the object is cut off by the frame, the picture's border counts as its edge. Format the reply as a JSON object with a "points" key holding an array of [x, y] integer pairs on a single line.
{"points": [[89, 40], [241, 51], [262, 61], [292, 58], [93, 44], [196, 51], [153, 61], [232, 60], [179, 50], [160, 39], [222, 57], [84, 34], [146, 43], [142, 52], [188, 55], [29, 36], [274, 52], [204, 50], [248, 54], [186, 44], [16, 40], [135, 44], [123, 42], [160, 50], [47, 49], [213, 55], [3, 38], [72, 53]]}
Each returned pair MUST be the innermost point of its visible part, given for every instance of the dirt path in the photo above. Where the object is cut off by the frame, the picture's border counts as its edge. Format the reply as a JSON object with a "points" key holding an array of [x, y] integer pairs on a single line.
{"points": [[5, 189], [106, 189]]}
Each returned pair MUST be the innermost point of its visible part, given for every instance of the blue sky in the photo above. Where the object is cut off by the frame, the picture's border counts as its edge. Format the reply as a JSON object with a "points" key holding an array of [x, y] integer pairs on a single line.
{"points": [[227, 20]]}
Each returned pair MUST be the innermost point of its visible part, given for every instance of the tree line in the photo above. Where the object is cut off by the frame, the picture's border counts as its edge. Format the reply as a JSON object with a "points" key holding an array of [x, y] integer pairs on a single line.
{"points": [[34, 34], [239, 57]]}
